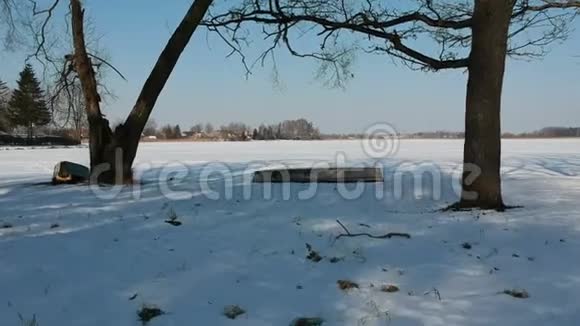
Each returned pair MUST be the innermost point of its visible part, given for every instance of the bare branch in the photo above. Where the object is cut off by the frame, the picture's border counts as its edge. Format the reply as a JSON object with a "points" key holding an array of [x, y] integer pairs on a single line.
{"points": [[385, 28], [108, 64], [364, 23], [48, 12], [383, 236], [8, 22]]}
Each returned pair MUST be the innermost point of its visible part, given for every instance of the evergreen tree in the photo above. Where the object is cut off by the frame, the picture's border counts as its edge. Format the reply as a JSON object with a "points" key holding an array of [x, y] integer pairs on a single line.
{"points": [[4, 96], [27, 107], [177, 132], [197, 128]]}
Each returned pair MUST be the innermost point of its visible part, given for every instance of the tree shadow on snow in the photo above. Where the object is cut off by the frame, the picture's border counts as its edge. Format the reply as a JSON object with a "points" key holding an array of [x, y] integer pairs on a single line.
{"points": [[249, 247]]}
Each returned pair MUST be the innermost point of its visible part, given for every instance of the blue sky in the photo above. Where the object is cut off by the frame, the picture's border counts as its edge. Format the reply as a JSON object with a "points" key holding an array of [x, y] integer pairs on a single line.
{"points": [[207, 87]]}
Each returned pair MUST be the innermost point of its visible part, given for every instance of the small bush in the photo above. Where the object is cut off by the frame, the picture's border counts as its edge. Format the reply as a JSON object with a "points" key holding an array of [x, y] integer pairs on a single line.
{"points": [[346, 285], [28, 322], [146, 313], [233, 311], [390, 288]]}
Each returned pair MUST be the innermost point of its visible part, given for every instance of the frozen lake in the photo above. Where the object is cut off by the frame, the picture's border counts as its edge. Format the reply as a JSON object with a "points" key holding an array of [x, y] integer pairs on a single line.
{"points": [[23, 163]]}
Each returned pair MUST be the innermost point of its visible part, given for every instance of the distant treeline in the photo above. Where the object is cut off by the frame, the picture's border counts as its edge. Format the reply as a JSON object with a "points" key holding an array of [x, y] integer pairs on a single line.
{"points": [[12, 140], [548, 132], [302, 129], [299, 129], [418, 135]]}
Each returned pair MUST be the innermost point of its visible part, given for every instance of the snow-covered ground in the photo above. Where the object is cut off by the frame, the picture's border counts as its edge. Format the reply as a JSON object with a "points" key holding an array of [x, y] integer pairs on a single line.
{"points": [[72, 255]]}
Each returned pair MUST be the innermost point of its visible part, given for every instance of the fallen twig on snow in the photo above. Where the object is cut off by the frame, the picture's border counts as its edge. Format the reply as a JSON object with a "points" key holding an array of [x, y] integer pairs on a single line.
{"points": [[384, 236], [434, 291], [517, 293]]}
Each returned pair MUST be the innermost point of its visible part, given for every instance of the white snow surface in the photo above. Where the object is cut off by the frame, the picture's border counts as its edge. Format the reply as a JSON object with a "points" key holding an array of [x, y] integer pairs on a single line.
{"points": [[69, 256]]}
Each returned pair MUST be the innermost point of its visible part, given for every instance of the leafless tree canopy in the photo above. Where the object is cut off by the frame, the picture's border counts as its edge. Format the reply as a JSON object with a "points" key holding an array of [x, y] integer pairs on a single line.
{"points": [[42, 31], [8, 22], [423, 34]]}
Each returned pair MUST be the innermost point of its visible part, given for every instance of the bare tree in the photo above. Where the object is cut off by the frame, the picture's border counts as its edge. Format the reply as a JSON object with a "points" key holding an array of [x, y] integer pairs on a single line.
{"points": [[208, 129], [25, 24], [287, 129], [9, 10], [65, 91], [4, 98], [150, 128], [112, 152], [69, 109], [117, 149], [472, 35], [197, 128], [235, 131]]}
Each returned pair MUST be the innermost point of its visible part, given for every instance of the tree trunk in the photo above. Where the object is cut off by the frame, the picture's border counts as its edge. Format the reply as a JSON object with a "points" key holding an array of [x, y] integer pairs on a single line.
{"points": [[482, 150], [110, 161], [103, 145], [113, 152]]}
